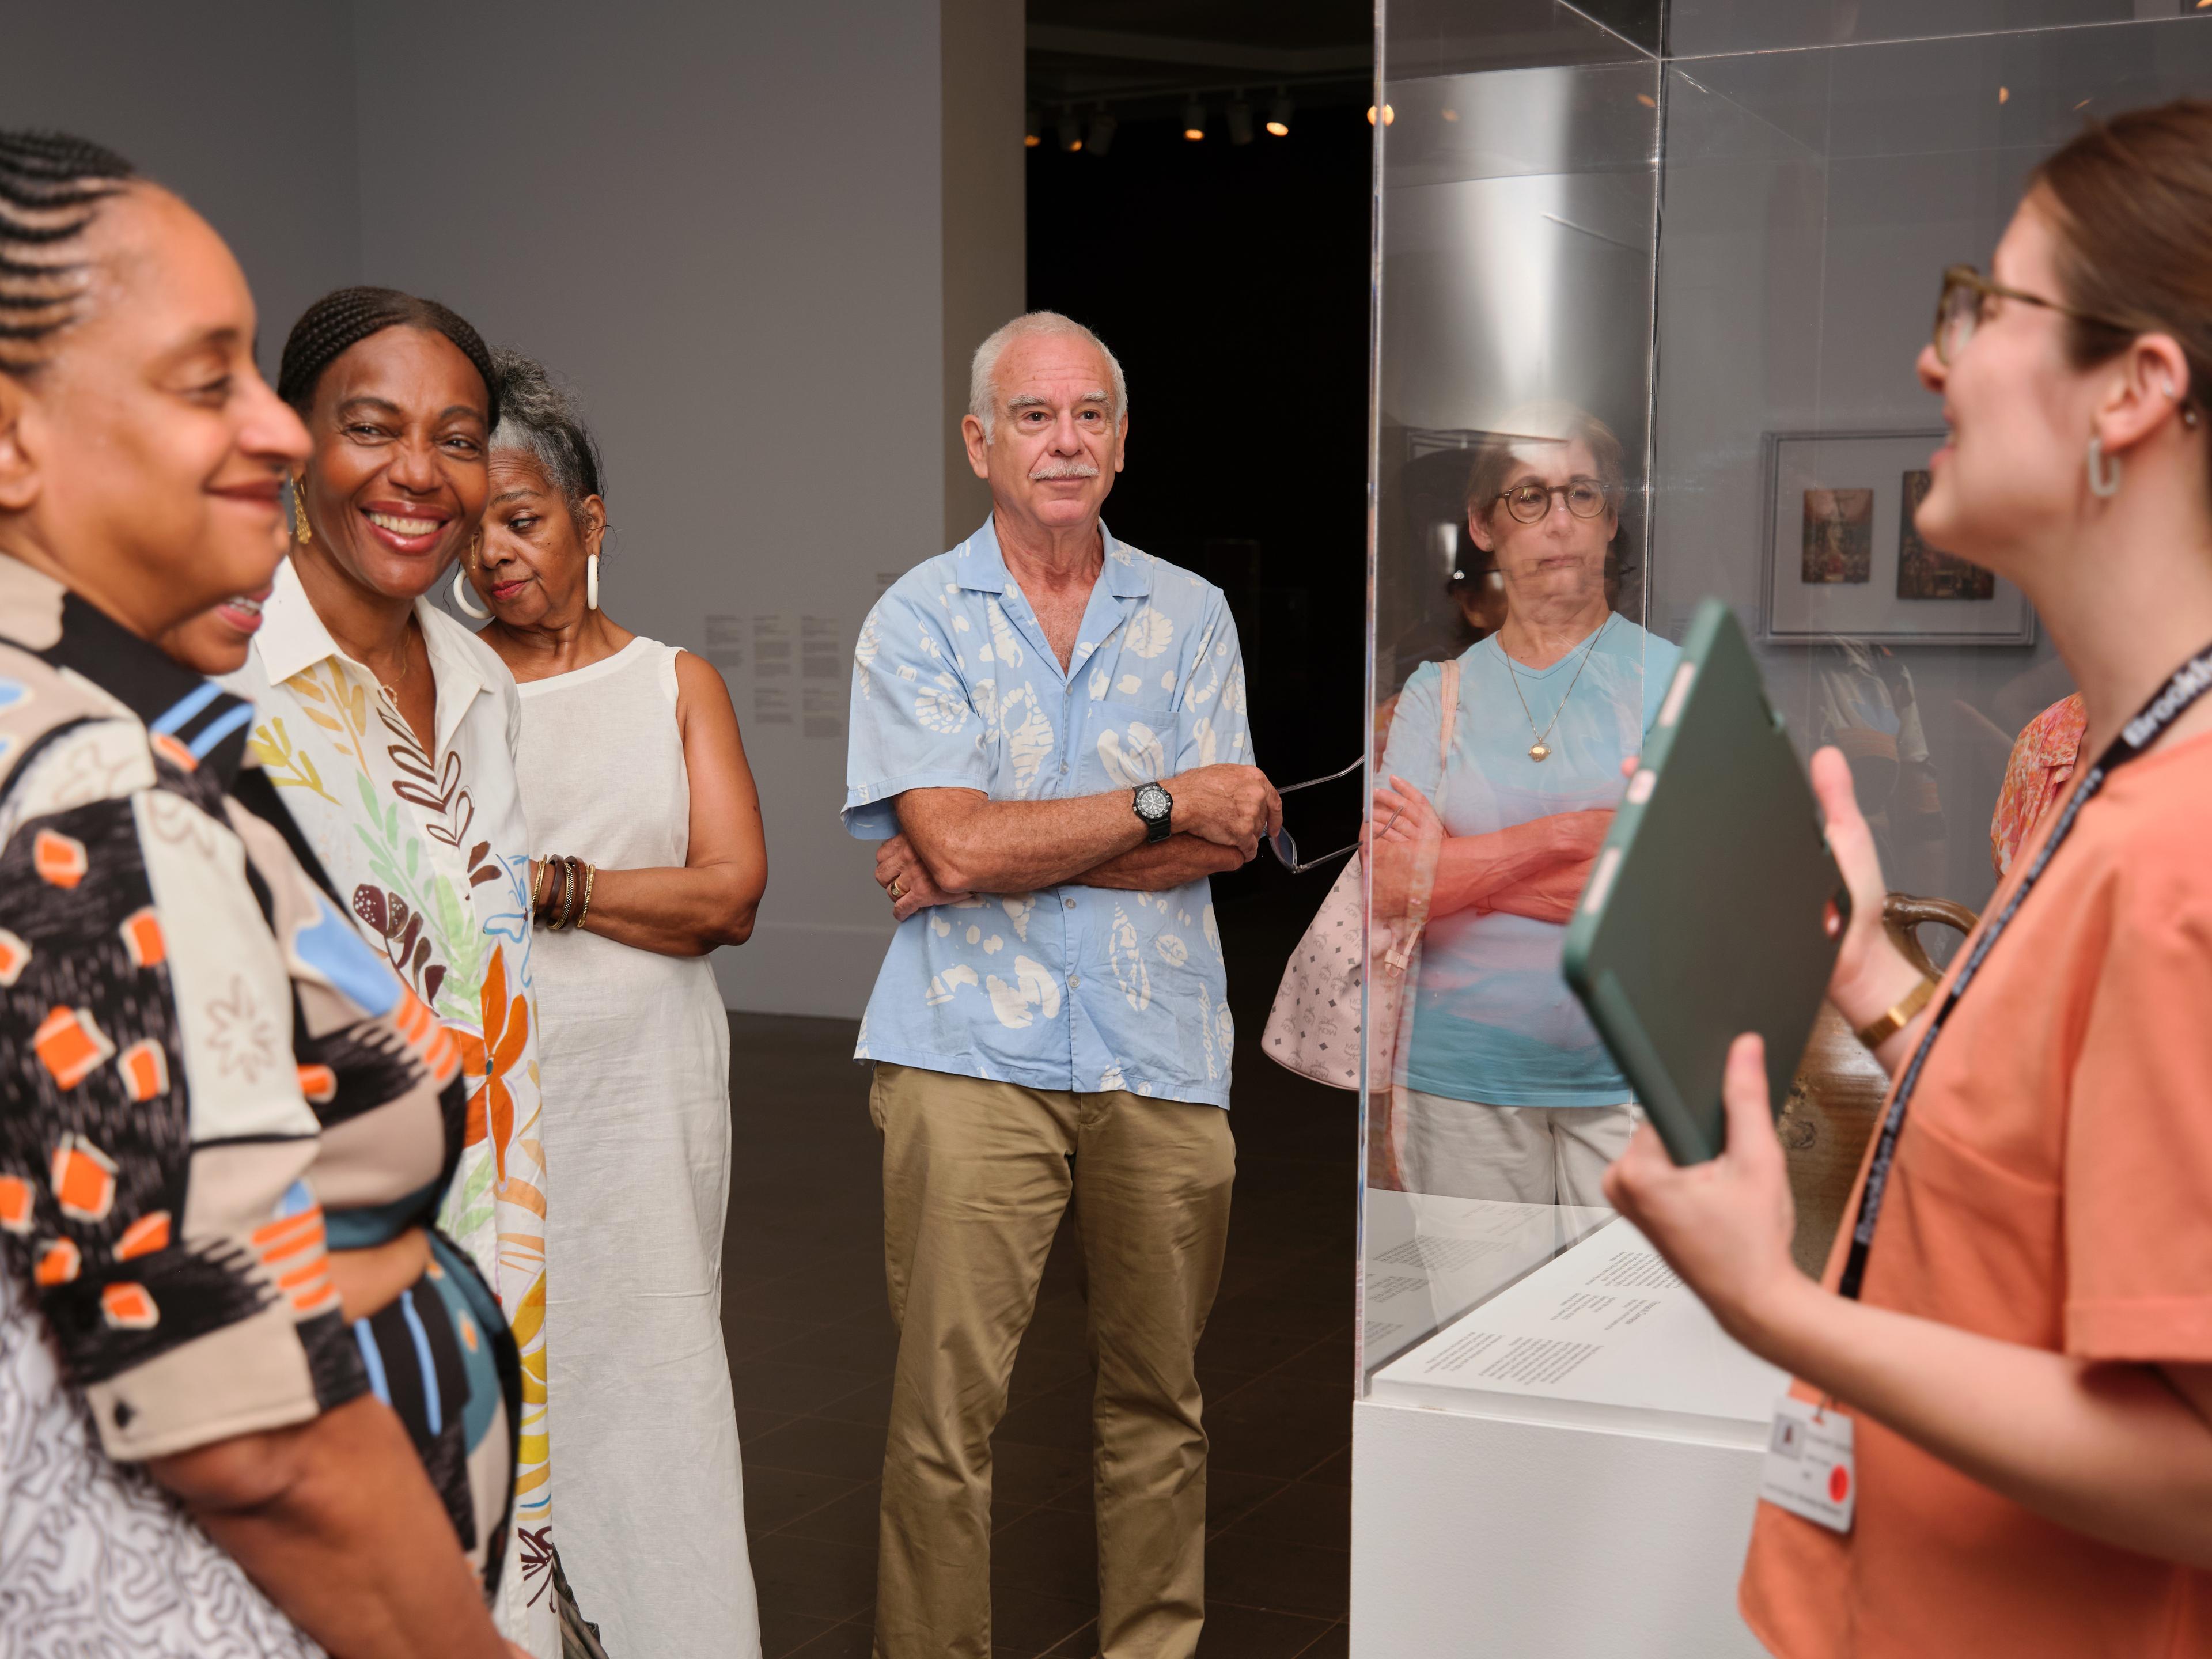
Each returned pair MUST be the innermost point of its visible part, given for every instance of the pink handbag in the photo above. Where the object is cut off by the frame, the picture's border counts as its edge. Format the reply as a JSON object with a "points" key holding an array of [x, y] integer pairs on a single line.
{"points": [[1313, 1028]]}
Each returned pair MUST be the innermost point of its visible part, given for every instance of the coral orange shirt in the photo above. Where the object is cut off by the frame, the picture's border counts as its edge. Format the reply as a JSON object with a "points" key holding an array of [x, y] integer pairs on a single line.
{"points": [[2053, 1187]]}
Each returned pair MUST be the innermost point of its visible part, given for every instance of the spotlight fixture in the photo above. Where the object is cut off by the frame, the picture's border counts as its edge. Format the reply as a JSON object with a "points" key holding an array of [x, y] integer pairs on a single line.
{"points": [[1389, 115], [1278, 115], [1240, 121], [1032, 130], [1101, 137], [1194, 120], [1069, 131]]}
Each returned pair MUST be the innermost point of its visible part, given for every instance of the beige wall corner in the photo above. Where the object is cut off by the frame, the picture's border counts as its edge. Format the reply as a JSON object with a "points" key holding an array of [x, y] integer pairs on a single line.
{"points": [[981, 45]]}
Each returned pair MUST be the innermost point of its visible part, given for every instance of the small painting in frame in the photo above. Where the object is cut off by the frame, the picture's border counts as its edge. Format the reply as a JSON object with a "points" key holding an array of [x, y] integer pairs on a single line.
{"points": [[1839, 558], [1921, 571], [1838, 542]]}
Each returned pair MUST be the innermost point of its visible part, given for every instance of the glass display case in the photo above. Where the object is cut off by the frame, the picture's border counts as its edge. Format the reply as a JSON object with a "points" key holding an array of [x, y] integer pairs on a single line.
{"points": [[1651, 282]]}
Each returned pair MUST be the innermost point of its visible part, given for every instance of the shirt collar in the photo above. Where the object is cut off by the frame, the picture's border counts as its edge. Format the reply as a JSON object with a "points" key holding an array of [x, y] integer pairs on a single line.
{"points": [[292, 638], [980, 565], [460, 676], [193, 722]]}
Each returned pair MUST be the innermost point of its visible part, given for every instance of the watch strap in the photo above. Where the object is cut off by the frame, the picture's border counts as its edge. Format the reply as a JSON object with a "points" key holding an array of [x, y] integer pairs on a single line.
{"points": [[1156, 829], [1907, 1009]]}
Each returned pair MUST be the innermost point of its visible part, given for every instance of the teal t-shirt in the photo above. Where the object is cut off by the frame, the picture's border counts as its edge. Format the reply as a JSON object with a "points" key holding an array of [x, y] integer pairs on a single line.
{"points": [[1494, 1020]]}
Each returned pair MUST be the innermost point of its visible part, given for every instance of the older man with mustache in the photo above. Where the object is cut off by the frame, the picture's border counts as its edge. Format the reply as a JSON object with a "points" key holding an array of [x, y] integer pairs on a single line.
{"points": [[1048, 734]]}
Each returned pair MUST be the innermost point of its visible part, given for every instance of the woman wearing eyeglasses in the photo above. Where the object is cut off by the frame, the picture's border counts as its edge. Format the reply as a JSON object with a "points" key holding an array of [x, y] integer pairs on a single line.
{"points": [[2016, 1331], [1508, 1091]]}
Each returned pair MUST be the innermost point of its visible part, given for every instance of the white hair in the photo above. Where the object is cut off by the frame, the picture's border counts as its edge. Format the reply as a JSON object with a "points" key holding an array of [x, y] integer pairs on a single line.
{"points": [[982, 372]]}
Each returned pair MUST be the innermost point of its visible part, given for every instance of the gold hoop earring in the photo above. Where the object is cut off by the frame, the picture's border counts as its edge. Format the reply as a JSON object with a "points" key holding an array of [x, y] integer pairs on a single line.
{"points": [[303, 533]]}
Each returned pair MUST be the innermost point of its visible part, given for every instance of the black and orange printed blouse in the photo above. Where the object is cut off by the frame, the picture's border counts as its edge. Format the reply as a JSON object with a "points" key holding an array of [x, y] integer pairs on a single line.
{"points": [[193, 1040]]}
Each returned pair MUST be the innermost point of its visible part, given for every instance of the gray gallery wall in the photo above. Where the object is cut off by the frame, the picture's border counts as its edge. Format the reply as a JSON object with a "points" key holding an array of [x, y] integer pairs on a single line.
{"points": [[725, 225], [246, 108], [718, 222]]}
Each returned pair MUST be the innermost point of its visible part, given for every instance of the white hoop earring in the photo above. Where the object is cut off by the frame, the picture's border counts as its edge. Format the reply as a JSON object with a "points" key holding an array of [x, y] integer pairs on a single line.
{"points": [[466, 600], [591, 583], [2104, 471]]}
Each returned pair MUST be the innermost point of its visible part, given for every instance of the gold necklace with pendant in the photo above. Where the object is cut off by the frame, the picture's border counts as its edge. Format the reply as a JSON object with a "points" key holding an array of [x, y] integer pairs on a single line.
{"points": [[1540, 750]]}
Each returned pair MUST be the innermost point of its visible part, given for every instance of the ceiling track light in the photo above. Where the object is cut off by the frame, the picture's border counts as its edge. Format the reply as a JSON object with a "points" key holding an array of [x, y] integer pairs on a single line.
{"points": [[1101, 137], [1278, 115], [1240, 121], [1069, 131], [1194, 120], [1032, 129], [1389, 115]]}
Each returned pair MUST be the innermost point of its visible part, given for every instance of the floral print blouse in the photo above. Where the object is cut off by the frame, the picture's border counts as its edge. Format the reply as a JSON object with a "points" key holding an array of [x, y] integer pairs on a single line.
{"points": [[432, 852], [2043, 757]]}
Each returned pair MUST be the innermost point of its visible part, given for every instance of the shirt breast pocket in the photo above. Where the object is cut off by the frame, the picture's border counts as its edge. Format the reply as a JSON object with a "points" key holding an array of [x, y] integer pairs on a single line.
{"points": [[1136, 738]]}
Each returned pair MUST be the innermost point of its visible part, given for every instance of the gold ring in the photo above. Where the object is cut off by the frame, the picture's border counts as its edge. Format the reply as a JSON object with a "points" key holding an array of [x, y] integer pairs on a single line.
{"points": [[893, 890]]}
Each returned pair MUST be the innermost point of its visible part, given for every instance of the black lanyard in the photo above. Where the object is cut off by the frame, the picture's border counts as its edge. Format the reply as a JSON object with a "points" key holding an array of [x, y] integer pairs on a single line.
{"points": [[2191, 681]]}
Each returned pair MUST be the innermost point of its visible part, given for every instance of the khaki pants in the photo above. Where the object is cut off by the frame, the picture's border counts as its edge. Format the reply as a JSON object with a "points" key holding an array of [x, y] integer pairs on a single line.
{"points": [[975, 1176], [1518, 1154]]}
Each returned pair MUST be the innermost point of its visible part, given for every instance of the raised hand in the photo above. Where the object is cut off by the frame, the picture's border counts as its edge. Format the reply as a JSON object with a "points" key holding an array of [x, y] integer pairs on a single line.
{"points": [[1872, 975]]}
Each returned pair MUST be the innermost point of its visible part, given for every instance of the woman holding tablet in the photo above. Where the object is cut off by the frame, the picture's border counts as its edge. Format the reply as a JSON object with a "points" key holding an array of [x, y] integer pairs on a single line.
{"points": [[2008, 1365]]}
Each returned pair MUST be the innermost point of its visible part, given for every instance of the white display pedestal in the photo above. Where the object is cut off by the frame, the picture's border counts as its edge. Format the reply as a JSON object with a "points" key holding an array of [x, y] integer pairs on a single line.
{"points": [[1567, 1470]]}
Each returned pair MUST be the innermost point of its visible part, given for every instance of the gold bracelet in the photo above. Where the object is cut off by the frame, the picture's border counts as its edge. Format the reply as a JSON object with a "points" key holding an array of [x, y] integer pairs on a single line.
{"points": [[572, 894], [1898, 1017], [591, 875], [564, 894]]}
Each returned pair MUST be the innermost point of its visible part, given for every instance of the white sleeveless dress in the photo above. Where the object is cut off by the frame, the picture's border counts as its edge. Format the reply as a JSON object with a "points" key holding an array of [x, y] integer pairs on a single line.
{"points": [[635, 1050]]}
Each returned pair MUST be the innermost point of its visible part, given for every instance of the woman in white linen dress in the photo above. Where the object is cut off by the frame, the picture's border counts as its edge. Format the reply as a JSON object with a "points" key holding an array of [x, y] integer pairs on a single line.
{"points": [[643, 812]]}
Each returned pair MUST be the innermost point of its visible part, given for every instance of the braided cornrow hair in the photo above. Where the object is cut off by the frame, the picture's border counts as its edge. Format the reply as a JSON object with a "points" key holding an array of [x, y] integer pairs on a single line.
{"points": [[51, 188], [340, 320], [540, 418]]}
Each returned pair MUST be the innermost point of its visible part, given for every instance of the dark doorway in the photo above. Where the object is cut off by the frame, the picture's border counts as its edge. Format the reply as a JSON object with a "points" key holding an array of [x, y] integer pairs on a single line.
{"points": [[1232, 278]]}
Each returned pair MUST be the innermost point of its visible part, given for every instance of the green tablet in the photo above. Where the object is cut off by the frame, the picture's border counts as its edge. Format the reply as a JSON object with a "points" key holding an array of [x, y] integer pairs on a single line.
{"points": [[1714, 906]]}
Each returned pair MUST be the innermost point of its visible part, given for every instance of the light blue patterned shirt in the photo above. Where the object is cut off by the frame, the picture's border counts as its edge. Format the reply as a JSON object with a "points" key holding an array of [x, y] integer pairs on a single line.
{"points": [[954, 686]]}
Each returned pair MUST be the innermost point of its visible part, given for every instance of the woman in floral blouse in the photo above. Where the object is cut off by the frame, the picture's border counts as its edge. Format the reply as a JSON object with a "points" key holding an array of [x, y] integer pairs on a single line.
{"points": [[390, 733]]}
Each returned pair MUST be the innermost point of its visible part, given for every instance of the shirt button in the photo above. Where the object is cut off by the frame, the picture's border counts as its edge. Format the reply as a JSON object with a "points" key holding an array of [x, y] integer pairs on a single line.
{"points": [[1071, 904], [1075, 981], [1063, 768]]}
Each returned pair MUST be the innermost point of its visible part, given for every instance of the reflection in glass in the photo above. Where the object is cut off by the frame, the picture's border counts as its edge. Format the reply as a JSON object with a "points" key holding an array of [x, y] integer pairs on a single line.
{"points": [[1485, 840]]}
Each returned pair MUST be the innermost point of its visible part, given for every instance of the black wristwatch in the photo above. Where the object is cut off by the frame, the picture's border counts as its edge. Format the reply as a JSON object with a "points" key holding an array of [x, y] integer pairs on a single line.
{"points": [[1154, 805]]}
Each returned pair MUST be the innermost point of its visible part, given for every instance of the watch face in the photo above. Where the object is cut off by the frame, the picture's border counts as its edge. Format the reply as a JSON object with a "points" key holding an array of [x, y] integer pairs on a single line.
{"points": [[1152, 802]]}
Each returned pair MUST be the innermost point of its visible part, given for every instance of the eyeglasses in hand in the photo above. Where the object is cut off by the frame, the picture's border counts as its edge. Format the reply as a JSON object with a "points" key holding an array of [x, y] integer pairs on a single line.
{"points": [[1287, 850]]}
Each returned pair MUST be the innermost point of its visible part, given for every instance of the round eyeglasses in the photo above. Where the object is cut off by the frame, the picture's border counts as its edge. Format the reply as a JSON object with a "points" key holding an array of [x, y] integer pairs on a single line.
{"points": [[1964, 304], [1528, 502]]}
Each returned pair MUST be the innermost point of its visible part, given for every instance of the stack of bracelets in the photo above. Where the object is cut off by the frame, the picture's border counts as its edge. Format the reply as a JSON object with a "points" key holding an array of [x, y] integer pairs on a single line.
{"points": [[564, 894]]}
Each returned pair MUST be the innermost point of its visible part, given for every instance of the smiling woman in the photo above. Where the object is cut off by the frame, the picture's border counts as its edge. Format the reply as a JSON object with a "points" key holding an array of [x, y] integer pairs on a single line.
{"points": [[638, 793], [175, 1305], [390, 732]]}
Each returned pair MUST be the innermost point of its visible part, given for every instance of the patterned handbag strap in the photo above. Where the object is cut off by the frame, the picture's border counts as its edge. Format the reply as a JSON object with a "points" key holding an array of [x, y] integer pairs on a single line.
{"points": [[1449, 693], [1400, 951]]}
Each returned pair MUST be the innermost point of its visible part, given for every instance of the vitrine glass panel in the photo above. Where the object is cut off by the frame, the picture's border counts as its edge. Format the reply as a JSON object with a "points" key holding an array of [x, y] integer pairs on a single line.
{"points": [[1688, 260]]}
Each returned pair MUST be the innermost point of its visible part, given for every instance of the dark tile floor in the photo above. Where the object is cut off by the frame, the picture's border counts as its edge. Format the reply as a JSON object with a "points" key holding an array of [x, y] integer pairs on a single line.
{"points": [[811, 1351]]}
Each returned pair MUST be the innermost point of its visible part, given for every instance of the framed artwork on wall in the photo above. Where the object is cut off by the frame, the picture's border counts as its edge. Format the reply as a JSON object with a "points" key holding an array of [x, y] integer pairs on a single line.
{"points": [[1842, 556]]}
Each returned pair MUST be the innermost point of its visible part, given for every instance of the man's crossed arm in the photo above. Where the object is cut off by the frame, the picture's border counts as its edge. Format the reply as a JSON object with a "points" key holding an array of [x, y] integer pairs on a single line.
{"points": [[953, 842]]}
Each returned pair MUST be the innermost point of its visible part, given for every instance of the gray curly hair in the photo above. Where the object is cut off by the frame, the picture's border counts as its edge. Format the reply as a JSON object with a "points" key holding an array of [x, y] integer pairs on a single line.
{"points": [[541, 418]]}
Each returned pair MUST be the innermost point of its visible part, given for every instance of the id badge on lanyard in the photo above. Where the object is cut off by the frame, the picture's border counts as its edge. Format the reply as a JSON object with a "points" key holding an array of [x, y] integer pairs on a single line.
{"points": [[1809, 1469]]}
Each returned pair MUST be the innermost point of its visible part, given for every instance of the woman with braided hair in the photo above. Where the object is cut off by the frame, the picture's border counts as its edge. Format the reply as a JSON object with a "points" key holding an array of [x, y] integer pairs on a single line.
{"points": [[192, 1459], [388, 730]]}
